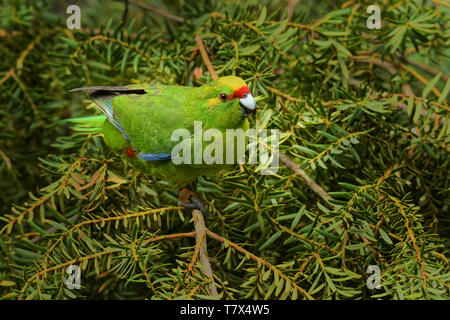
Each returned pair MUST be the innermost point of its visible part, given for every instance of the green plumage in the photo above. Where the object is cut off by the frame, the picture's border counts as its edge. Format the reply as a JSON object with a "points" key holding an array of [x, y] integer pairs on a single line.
{"points": [[113, 137], [144, 117]]}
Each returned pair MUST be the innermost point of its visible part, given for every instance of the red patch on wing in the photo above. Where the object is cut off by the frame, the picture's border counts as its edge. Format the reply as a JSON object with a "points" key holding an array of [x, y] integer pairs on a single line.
{"points": [[130, 153], [240, 93]]}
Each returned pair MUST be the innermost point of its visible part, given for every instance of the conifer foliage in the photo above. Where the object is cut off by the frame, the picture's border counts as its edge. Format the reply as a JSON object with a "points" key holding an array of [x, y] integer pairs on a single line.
{"points": [[364, 166]]}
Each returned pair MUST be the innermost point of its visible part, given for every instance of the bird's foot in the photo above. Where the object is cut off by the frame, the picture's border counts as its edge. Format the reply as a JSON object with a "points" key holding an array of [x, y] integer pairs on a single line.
{"points": [[187, 200]]}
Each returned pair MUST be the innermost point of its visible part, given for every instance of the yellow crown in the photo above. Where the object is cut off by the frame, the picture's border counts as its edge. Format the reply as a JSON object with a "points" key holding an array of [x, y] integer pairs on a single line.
{"points": [[233, 82]]}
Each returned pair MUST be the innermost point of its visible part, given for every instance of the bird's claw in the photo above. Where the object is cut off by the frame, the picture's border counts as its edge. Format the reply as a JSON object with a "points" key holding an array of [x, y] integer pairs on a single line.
{"points": [[194, 204]]}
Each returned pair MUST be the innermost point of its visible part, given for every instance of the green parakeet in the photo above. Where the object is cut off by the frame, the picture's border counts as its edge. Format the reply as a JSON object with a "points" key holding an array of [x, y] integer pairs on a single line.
{"points": [[141, 118]]}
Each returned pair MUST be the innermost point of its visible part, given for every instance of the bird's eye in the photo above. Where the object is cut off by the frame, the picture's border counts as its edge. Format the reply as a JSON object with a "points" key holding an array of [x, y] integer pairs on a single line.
{"points": [[223, 97]]}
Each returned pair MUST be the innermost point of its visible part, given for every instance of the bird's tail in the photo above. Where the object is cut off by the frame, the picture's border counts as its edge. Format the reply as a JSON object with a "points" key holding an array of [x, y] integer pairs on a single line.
{"points": [[87, 125]]}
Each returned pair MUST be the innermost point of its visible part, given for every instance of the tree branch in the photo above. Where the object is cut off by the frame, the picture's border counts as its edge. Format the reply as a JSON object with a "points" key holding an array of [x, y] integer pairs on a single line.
{"points": [[309, 181], [205, 57], [200, 236], [157, 11]]}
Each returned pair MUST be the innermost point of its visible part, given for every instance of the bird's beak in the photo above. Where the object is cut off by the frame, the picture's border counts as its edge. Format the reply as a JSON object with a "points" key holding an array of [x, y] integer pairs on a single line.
{"points": [[248, 104]]}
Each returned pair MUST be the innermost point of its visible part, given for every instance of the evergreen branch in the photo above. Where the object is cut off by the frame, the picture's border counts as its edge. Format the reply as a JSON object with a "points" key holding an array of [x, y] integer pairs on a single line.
{"points": [[249, 25], [20, 60], [27, 96], [337, 143], [296, 235], [62, 265], [283, 95], [390, 188], [8, 75], [440, 106], [141, 266], [51, 230], [262, 261], [109, 219], [412, 237], [119, 42], [44, 199], [35, 205]]}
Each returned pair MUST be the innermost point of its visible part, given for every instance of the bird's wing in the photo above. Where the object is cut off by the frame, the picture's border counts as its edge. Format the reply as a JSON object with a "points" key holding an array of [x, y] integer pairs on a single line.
{"points": [[146, 114], [103, 96]]}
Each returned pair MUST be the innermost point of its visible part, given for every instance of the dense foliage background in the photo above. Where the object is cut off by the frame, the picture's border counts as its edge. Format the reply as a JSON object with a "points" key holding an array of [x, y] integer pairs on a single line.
{"points": [[363, 112]]}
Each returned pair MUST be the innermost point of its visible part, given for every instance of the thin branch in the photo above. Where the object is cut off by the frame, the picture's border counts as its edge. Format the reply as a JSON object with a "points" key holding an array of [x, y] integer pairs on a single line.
{"points": [[425, 68], [125, 14], [6, 159], [309, 181], [205, 57], [322, 245], [157, 11], [107, 219], [200, 233], [171, 236], [68, 263], [420, 78]]}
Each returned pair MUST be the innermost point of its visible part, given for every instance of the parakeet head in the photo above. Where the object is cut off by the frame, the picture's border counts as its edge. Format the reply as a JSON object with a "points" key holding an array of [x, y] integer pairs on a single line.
{"points": [[234, 88], [227, 100]]}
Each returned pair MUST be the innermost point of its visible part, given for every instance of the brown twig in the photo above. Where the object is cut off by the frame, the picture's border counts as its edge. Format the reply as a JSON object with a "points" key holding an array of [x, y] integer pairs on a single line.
{"points": [[171, 236], [200, 237], [157, 11], [425, 68], [205, 57], [309, 181], [6, 159]]}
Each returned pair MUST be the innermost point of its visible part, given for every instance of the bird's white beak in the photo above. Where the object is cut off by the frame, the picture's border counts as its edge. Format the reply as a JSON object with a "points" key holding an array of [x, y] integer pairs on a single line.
{"points": [[248, 101]]}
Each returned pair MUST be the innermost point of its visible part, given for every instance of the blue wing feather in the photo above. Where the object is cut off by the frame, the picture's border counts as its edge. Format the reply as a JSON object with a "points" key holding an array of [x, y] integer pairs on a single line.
{"points": [[154, 156]]}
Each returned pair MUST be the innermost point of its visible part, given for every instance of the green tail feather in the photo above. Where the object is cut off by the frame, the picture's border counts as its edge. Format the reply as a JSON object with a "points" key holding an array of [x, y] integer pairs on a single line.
{"points": [[113, 138], [90, 124]]}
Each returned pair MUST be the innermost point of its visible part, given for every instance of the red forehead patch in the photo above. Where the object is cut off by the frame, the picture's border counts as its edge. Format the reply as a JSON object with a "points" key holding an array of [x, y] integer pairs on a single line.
{"points": [[240, 93]]}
